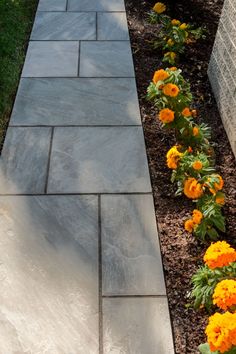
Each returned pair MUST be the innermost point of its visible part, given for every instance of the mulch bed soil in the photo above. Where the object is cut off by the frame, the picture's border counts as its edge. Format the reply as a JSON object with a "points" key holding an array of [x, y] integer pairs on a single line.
{"points": [[182, 253]]}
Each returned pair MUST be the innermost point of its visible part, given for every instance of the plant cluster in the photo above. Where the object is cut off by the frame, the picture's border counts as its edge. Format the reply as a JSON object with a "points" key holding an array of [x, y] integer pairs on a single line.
{"points": [[214, 286], [191, 159], [173, 36]]}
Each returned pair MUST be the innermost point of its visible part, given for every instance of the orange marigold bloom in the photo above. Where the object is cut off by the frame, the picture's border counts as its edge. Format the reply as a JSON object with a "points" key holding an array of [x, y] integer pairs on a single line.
{"points": [[190, 149], [166, 115], [197, 165], [171, 90], [159, 7], [219, 254], [175, 22], [224, 295], [186, 112], [173, 68], [160, 75], [189, 225], [173, 156], [194, 113], [197, 216], [221, 332], [217, 186], [192, 189], [195, 131], [220, 200]]}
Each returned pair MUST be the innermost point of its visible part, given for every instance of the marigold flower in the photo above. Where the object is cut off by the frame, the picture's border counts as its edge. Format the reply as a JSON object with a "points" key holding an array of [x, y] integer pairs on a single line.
{"points": [[189, 225], [220, 200], [160, 75], [194, 113], [217, 186], [197, 216], [166, 115], [221, 332], [219, 254], [172, 55], [171, 90], [186, 112], [159, 7], [197, 165], [173, 156], [175, 22], [173, 68], [195, 131], [192, 189], [183, 26], [170, 42], [224, 295], [190, 149]]}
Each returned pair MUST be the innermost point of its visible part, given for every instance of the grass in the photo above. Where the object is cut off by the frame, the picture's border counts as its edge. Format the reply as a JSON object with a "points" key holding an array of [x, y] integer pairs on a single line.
{"points": [[16, 20]]}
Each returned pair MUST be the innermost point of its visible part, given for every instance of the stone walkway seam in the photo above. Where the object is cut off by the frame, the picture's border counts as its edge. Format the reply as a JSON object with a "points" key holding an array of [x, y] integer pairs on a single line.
{"points": [[79, 242]]}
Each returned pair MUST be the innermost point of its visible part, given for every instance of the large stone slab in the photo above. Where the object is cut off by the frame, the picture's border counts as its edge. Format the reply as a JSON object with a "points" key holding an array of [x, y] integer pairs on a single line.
{"points": [[52, 5], [49, 275], [96, 5], [64, 26], [130, 249], [24, 160], [112, 26], [106, 59], [98, 160], [137, 326], [77, 101], [48, 59]]}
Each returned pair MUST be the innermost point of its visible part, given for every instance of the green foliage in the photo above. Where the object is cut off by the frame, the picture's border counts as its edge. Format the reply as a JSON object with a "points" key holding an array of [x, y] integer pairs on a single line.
{"points": [[16, 17], [204, 282]]}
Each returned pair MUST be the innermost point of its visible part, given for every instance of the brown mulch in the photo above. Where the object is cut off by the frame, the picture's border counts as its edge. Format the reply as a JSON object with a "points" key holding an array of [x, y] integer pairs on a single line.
{"points": [[181, 252]]}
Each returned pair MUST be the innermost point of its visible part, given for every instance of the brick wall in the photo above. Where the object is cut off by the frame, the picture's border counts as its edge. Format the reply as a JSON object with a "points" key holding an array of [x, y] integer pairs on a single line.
{"points": [[222, 69]]}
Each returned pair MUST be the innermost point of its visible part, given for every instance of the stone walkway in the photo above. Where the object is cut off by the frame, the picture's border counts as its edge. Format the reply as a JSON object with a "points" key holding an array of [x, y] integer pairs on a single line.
{"points": [[81, 269]]}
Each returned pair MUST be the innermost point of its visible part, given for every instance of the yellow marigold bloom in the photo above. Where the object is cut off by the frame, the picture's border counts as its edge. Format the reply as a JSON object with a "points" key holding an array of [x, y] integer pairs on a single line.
{"points": [[175, 22], [192, 189], [159, 7], [183, 26], [186, 112], [166, 115], [173, 156], [170, 42], [160, 75], [197, 216], [189, 225], [173, 68], [217, 186], [195, 131], [221, 332], [172, 55], [197, 165], [171, 90], [224, 295], [219, 254], [220, 200]]}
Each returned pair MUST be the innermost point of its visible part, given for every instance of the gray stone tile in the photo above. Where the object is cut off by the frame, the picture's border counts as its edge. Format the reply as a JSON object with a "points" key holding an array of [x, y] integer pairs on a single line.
{"points": [[106, 59], [130, 249], [137, 326], [48, 59], [97, 160], [112, 26], [96, 5], [77, 101], [24, 160], [49, 275], [64, 26], [52, 5]]}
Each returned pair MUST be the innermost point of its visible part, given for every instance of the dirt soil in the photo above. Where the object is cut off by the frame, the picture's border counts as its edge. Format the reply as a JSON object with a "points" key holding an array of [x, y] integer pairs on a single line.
{"points": [[181, 252]]}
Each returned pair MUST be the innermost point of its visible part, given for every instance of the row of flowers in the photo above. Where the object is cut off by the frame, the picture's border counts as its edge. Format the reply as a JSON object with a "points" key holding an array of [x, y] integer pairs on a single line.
{"points": [[192, 162]]}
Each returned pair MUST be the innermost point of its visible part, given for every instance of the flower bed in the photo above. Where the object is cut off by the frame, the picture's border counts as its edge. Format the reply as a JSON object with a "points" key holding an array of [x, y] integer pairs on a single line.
{"points": [[182, 253]]}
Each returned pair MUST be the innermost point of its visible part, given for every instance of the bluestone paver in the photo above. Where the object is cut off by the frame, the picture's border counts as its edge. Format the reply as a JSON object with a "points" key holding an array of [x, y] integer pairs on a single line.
{"points": [[130, 249], [106, 59], [52, 5], [112, 26], [96, 5], [137, 326], [98, 160], [64, 26], [23, 165], [48, 59], [76, 101], [49, 274]]}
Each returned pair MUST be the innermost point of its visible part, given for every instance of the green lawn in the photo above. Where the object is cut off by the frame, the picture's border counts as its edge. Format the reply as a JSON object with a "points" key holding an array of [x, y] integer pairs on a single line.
{"points": [[16, 19]]}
